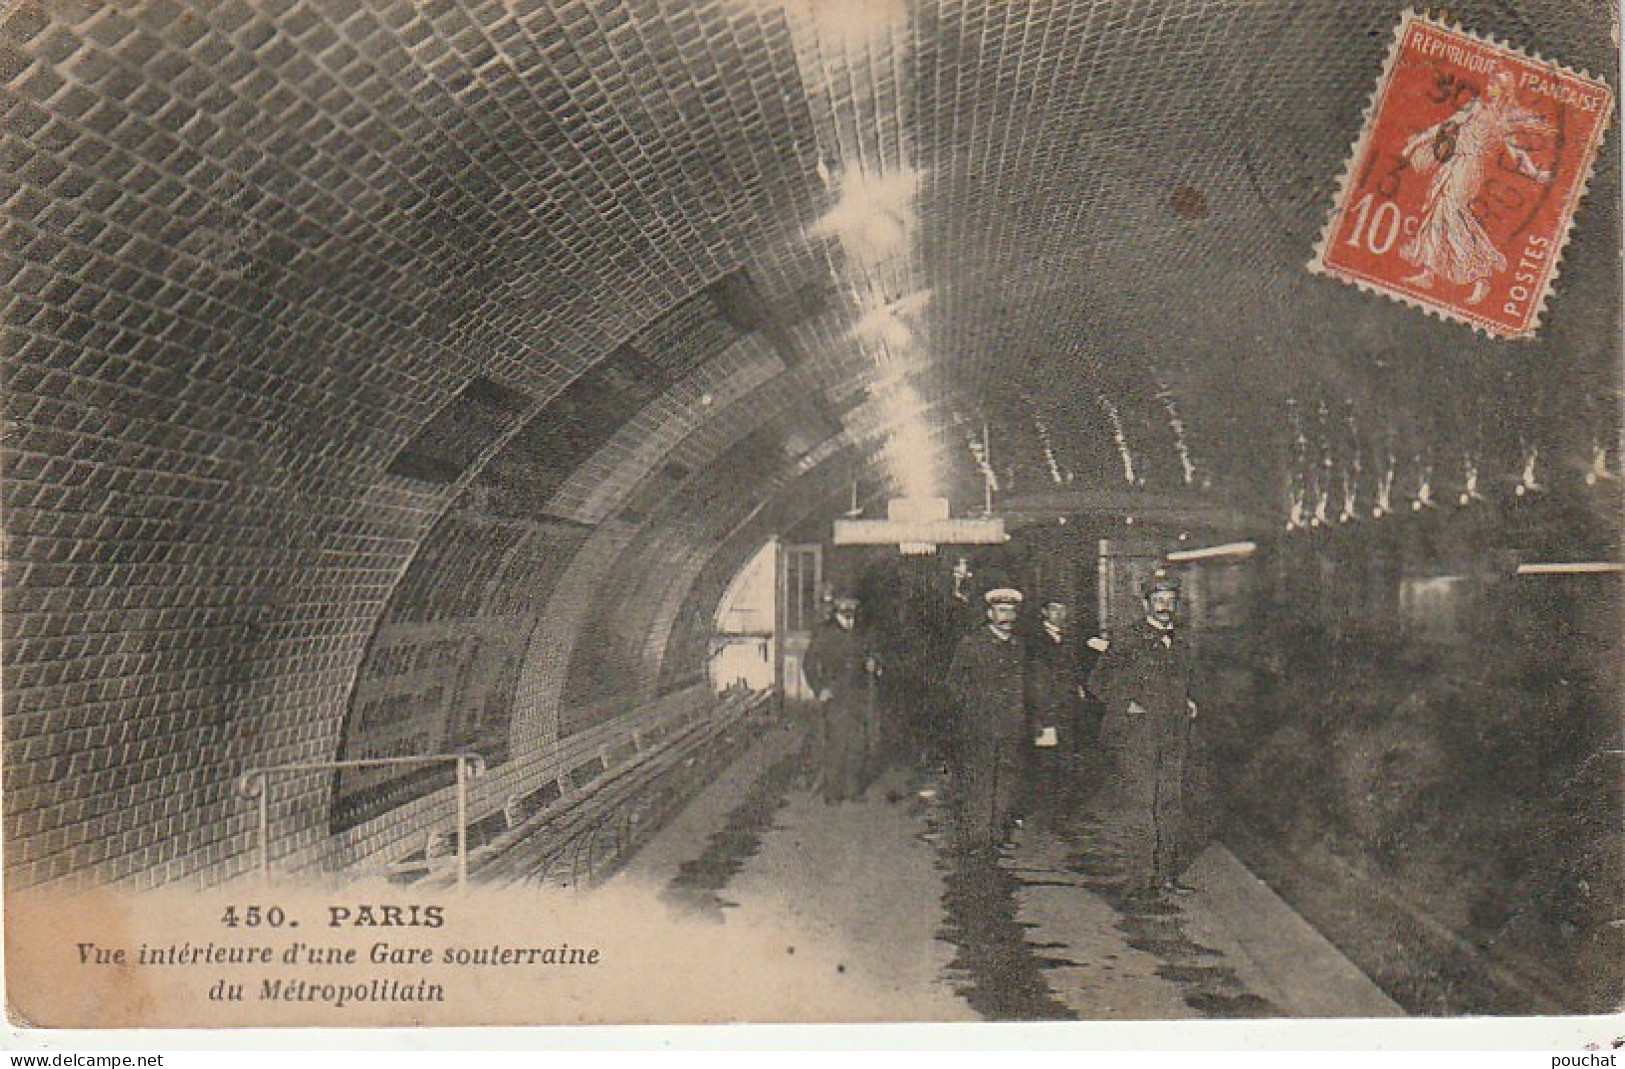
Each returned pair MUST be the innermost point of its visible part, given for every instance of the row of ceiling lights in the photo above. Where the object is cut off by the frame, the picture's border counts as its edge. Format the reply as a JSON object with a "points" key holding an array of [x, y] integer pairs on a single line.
{"points": [[873, 226]]}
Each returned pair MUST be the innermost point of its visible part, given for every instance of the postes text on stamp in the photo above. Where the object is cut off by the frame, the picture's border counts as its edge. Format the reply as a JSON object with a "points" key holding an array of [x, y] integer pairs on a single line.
{"points": [[1460, 191]]}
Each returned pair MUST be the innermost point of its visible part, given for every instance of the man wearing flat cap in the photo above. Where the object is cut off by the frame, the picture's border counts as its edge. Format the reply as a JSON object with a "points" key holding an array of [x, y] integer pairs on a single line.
{"points": [[987, 684], [1144, 678], [842, 669]]}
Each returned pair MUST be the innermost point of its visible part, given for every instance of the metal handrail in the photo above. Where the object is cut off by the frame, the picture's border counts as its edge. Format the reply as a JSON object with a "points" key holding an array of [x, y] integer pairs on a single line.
{"points": [[252, 784]]}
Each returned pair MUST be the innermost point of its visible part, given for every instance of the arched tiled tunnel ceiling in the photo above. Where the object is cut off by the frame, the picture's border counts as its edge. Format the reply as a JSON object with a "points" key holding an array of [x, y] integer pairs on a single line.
{"points": [[678, 537], [478, 608], [306, 303], [812, 495]]}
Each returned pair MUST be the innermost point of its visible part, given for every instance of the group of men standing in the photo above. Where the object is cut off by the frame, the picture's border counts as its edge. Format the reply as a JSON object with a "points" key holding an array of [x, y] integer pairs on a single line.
{"points": [[1027, 700], [1038, 714]]}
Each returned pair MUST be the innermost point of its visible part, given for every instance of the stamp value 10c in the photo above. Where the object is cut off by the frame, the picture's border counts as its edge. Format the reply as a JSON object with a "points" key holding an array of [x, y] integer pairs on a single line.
{"points": [[1460, 191]]}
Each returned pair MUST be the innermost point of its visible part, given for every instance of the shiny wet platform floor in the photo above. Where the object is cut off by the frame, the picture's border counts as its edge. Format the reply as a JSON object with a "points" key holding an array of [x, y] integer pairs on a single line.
{"points": [[890, 917]]}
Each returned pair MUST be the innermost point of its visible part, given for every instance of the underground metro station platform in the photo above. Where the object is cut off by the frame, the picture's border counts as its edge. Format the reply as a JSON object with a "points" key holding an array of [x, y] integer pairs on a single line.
{"points": [[441, 438]]}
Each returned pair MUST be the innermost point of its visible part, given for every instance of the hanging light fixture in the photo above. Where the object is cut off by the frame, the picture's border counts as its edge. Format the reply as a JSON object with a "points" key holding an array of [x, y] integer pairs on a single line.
{"points": [[919, 526]]}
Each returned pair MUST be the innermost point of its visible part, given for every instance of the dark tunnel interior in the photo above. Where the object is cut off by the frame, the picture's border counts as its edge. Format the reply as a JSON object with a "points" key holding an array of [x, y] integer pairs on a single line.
{"points": [[393, 378]]}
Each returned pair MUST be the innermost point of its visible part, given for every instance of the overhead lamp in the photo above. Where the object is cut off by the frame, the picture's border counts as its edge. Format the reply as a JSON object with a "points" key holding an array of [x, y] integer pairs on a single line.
{"points": [[1228, 549], [883, 321], [874, 215], [1571, 568]]}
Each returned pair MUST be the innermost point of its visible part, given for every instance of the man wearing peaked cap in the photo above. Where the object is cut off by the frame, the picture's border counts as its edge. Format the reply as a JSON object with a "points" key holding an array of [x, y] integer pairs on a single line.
{"points": [[1159, 579], [1145, 680], [987, 685]]}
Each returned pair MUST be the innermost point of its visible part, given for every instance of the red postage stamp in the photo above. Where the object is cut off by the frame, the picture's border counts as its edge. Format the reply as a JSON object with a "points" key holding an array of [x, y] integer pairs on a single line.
{"points": [[1460, 191]]}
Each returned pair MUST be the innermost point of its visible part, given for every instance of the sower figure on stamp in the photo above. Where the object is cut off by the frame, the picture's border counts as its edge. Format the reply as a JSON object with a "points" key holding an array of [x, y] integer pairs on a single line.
{"points": [[841, 671], [987, 682], [1144, 679], [1459, 153], [1054, 712]]}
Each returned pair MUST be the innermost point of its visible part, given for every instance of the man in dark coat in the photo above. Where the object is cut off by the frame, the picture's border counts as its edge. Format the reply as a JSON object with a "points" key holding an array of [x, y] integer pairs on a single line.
{"points": [[841, 670], [1089, 757], [987, 682], [1055, 691], [1144, 678]]}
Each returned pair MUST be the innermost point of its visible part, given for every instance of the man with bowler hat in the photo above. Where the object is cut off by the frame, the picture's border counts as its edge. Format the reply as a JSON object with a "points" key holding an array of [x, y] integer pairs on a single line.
{"points": [[1055, 693], [987, 681], [841, 669]]}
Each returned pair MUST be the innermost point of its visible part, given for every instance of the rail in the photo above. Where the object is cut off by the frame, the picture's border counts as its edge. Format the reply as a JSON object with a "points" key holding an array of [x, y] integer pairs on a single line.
{"points": [[253, 784], [614, 782], [621, 804]]}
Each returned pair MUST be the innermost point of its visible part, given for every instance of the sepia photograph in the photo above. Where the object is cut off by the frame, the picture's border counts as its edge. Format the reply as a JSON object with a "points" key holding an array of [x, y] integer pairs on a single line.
{"points": [[621, 512]]}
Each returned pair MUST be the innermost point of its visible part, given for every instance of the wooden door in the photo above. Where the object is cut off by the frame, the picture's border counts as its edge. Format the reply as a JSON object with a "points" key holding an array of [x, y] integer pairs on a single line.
{"points": [[801, 608]]}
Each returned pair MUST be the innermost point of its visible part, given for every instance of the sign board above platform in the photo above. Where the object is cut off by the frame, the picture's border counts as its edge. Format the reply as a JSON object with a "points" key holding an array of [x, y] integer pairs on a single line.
{"points": [[917, 523]]}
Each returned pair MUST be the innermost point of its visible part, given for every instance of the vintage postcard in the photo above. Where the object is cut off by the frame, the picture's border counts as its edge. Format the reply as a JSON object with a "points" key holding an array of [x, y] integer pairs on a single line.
{"points": [[599, 512]]}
